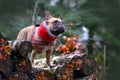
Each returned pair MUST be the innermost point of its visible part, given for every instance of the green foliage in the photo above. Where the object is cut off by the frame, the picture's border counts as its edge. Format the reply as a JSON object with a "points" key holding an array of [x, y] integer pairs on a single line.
{"points": [[111, 38], [12, 26], [15, 6], [99, 59]]}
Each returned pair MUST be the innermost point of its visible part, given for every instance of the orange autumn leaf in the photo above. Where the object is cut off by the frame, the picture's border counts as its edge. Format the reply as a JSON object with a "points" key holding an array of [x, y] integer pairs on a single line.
{"points": [[71, 45], [16, 75], [7, 49], [65, 48], [64, 37]]}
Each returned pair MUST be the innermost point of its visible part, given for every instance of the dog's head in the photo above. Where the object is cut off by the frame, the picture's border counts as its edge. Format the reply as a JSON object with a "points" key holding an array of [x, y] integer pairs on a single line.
{"points": [[55, 25]]}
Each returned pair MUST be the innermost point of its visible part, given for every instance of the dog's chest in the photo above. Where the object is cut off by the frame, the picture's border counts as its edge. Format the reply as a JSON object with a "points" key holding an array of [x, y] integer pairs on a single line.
{"points": [[40, 45]]}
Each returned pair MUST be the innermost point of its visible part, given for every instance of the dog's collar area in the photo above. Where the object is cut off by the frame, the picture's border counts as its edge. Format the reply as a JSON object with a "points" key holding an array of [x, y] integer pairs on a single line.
{"points": [[40, 42], [45, 34]]}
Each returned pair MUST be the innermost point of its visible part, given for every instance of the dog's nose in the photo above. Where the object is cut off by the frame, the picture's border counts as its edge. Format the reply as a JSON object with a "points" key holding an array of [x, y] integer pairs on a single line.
{"points": [[61, 28]]}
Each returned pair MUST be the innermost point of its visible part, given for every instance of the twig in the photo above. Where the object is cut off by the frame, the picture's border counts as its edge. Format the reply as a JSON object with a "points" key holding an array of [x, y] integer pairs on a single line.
{"points": [[104, 50]]}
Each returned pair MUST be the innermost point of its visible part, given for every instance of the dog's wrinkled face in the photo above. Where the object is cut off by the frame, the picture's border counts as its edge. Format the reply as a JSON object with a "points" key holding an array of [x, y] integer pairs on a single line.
{"points": [[56, 25]]}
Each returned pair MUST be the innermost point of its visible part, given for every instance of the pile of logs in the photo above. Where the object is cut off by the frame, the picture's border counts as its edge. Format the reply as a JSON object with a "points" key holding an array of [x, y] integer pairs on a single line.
{"points": [[15, 64]]}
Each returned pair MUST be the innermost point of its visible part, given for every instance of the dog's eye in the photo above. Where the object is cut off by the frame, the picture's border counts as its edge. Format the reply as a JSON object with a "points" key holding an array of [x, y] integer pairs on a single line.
{"points": [[56, 21]]}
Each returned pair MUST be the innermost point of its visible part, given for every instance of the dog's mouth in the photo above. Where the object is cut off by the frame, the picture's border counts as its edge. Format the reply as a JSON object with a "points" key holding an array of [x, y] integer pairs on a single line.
{"points": [[58, 30]]}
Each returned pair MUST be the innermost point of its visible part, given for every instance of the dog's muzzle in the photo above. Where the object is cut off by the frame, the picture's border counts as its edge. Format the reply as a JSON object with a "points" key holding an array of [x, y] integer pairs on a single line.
{"points": [[59, 29]]}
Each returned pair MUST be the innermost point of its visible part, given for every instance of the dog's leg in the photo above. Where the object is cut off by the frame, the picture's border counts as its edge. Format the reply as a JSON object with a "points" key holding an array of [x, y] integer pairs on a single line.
{"points": [[22, 35], [48, 54], [32, 56]]}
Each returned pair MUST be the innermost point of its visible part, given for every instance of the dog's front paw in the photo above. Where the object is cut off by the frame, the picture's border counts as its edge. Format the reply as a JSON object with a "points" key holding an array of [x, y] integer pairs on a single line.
{"points": [[51, 65]]}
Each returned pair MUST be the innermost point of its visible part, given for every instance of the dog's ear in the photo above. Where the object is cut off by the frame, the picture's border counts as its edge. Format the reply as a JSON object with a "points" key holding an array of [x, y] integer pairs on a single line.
{"points": [[60, 17], [47, 15]]}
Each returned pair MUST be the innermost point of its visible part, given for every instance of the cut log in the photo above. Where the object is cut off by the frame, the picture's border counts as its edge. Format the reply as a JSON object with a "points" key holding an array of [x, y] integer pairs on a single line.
{"points": [[21, 48], [77, 66], [85, 66], [41, 74], [2, 77], [14, 61], [18, 76], [15, 65], [65, 72], [23, 65], [89, 65], [5, 64], [5, 61], [19, 56]]}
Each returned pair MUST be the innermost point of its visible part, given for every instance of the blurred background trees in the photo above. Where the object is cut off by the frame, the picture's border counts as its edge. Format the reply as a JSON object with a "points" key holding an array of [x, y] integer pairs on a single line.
{"points": [[101, 17]]}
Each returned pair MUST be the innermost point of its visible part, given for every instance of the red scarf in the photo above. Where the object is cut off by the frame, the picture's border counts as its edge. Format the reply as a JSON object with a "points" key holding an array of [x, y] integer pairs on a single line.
{"points": [[45, 34]]}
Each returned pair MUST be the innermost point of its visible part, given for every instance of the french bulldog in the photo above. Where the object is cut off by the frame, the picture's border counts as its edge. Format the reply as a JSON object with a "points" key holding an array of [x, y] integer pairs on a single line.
{"points": [[44, 36]]}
